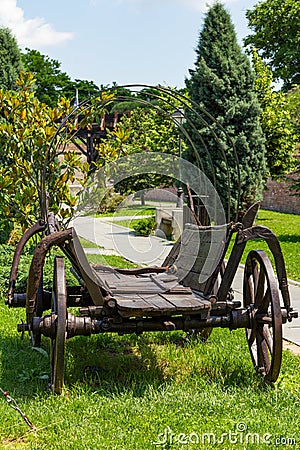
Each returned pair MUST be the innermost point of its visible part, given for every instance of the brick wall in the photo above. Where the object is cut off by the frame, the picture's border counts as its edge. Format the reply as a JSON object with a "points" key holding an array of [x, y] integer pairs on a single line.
{"points": [[278, 197]]}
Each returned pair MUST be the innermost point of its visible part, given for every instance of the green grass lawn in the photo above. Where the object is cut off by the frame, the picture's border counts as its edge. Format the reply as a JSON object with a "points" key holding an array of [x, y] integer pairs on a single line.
{"points": [[128, 223], [110, 260], [132, 210], [89, 244], [151, 391]]}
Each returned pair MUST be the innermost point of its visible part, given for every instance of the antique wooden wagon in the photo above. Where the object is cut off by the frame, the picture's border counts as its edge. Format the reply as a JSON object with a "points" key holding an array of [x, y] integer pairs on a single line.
{"points": [[191, 291], [160, 298]]}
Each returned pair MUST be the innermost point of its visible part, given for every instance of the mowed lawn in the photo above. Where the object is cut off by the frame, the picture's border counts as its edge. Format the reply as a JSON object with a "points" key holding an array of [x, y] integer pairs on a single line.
{"points": [[151, 391]]}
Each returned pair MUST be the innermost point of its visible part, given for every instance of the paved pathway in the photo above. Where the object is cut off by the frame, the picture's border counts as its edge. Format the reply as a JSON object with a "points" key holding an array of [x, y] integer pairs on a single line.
{"points": [[152, 250], [119, 240]]}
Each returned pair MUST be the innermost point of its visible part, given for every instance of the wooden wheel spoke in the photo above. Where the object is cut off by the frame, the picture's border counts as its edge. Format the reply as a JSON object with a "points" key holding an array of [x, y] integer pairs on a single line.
{"points": [[251, 336], [251, 290], [255, 274], [248, 289], [268, 338], [263, 352], [264, 302], [260, 288]]}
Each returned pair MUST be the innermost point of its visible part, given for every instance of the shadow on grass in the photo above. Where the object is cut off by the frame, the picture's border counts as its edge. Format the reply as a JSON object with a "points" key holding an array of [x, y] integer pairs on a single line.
{"points": [[113, 365], [262, 219], [135, 363], [291, 238]]}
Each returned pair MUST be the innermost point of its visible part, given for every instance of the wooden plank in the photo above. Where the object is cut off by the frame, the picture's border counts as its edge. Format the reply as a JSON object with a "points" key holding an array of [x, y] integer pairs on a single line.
{"points": [[152, 289], [172, 256], [133, 304], [160, 303], [157, 305], [128, 283], [149, 284], [148, 305], [181, 290], [167, 277], [184, 303], [194, 248]]}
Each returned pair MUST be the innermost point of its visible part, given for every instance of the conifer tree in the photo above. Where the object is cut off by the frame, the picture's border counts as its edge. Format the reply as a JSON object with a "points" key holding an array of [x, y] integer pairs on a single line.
{"points": [[222, 82], [10, 59]]}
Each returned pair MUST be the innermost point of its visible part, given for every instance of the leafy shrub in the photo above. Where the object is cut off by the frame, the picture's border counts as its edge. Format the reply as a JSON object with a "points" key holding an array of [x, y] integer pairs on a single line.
{"points": [[6, 257], [110, 202], [144, 227]]}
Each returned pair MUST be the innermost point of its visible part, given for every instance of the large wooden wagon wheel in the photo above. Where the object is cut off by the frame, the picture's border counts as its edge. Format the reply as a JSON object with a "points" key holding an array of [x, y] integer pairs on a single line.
{"points": [[261, 294], [58, 341]]}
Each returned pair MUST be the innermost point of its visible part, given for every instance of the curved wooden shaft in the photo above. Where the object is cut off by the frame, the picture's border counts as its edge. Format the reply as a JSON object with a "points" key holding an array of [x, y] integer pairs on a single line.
{"points": [[36, 228], [37, 264]]}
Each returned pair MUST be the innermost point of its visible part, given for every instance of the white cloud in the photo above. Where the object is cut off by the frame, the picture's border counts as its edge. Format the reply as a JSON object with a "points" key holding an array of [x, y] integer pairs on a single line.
{"points": [[33, 33]]}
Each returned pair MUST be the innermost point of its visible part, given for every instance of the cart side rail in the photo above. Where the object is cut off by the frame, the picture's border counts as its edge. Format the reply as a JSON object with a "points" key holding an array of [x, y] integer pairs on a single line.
{"points": [[249, 234]]}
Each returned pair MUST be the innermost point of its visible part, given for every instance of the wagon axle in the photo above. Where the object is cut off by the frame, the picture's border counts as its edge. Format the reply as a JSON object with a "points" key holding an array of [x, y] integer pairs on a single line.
{"points": [[86, 326]]}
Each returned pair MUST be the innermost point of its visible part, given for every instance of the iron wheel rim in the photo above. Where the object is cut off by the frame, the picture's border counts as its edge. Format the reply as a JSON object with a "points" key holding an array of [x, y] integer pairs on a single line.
{"points": [[58, 342]]}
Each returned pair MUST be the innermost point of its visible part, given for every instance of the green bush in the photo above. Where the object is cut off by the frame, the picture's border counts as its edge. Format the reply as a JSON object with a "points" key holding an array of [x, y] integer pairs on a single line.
{"points": [[6, 256], [110, 202], [144, 227]]}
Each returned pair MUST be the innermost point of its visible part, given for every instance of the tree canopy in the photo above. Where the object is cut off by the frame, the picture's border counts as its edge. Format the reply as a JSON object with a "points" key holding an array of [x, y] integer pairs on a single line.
{"points": [[51, 82], [222, 82], [277, 121], [10, 59], [30, 166], [275, 25]]}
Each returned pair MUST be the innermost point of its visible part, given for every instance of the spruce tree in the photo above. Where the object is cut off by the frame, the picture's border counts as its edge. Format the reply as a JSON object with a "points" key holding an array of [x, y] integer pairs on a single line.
{"points": [[222, 83], [10, 59]]}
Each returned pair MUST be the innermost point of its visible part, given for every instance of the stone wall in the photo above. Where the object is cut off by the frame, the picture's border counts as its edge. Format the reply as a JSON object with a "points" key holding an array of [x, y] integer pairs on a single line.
{"points": [[278, 197]]}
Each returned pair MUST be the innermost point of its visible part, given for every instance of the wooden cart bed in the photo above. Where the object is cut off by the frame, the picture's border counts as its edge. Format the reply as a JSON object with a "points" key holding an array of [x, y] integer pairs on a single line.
{"points": [[151, 294]]}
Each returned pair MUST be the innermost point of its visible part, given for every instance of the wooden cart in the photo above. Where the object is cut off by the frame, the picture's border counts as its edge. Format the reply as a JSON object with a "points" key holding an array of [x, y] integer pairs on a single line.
{"points": [[192, 291]]}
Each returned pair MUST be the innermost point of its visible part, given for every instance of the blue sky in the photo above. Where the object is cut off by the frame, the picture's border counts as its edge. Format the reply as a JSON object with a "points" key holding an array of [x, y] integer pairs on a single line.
{"points": [[127, 41]]}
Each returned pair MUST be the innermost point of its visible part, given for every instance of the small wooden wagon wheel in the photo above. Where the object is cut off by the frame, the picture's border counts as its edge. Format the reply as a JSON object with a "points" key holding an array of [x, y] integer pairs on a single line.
{"points": [[58, 341], [262, 296]]}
